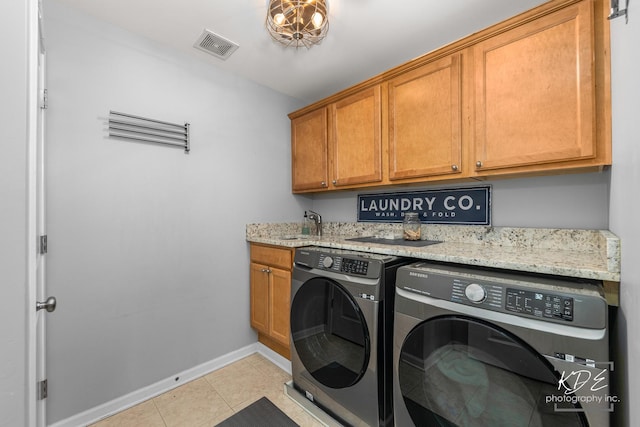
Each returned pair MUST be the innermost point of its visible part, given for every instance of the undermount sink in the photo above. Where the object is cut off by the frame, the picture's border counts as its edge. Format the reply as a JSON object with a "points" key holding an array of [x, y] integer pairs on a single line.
{"points": [[400, 242]]}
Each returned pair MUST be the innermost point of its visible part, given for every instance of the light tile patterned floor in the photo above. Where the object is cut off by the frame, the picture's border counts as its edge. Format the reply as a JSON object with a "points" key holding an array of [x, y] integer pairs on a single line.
{"points": [[208, 400]]}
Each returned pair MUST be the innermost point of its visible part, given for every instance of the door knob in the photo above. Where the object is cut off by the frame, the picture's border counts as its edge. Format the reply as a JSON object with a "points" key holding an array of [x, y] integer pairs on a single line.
{"points": [[49, 304]]}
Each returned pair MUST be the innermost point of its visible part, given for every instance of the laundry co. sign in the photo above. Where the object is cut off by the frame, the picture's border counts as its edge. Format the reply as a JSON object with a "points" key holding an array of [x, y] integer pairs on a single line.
{"points": [[450, 206]]}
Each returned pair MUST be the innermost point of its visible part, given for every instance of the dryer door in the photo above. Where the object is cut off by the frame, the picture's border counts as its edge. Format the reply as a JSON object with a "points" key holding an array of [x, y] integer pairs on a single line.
{"points": [[329, 333], [461, 371]]}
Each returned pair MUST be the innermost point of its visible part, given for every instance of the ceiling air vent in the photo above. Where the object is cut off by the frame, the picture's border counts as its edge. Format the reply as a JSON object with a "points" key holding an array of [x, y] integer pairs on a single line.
{"points": [[215, 45]]}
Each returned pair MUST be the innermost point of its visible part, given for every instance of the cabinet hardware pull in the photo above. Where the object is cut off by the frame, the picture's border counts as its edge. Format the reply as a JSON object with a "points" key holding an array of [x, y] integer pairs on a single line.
{"points": [[454, 167], [335, 182], [324, 184], [479, 164], [266, 270]]}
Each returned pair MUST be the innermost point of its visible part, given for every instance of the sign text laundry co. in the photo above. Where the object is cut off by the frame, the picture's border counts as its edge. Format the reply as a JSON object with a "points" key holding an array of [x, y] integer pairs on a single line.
{"points": [[451, 206]]}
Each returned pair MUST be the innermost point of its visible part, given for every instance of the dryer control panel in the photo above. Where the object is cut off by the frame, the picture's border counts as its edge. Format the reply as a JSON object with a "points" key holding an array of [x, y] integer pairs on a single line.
{"points": [[345, 262]]}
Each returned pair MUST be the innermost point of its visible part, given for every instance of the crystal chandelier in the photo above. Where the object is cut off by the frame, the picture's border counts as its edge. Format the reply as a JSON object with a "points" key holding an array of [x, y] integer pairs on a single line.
{"points": [[297, 22]]}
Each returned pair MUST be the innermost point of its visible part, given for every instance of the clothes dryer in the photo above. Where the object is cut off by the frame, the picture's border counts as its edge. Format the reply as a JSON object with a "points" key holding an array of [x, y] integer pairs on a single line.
{"points": [[341, 331]]}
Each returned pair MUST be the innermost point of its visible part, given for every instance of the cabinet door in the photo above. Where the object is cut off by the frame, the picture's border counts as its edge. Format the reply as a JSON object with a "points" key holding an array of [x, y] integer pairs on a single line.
{"points": [[425, 121], [355, 142], [260, 297], [280, 302], [535, 92], [309, 151]]}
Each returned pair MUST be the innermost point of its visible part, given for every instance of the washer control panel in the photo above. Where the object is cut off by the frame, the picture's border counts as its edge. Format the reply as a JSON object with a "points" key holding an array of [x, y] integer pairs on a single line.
{"points": [[540, 304], [546, 298], [475, 292], [468, 291]]}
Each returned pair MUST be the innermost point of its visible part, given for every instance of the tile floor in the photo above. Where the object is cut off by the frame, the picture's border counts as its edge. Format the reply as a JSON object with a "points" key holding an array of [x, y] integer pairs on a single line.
{"points": [[210, 399]]}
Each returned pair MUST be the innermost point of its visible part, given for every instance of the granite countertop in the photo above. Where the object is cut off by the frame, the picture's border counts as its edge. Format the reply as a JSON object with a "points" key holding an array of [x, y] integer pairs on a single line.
{"points": [[590, 254]]}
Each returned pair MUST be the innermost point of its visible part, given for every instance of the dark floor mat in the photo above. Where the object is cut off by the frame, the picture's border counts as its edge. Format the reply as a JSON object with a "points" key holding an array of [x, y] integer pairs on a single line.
{"points": [[261, 413]]}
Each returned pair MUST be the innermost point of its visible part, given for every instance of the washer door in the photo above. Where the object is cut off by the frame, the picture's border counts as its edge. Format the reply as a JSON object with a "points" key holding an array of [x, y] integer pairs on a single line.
{"points": [[329, 333], [459, 371]]}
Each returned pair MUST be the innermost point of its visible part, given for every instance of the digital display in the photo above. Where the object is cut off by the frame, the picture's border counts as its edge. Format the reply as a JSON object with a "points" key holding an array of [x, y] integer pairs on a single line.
{"points": [[354, 266], [540, 304]]}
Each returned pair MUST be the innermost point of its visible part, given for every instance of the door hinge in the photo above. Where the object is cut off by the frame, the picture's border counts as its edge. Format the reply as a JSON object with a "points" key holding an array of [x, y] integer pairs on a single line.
{"points": [[43, 244], [44, 101], [42, 390]]}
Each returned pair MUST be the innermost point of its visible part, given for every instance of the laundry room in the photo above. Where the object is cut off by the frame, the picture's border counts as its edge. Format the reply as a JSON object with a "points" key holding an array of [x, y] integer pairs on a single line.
{"points": [[156, 252]]}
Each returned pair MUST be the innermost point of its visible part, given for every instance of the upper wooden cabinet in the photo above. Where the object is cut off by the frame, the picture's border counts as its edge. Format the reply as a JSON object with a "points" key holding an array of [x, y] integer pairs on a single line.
{"points": [[310, 170], [535, 92], [339, 145], [530, 95], [355, 143], [425, 120]]}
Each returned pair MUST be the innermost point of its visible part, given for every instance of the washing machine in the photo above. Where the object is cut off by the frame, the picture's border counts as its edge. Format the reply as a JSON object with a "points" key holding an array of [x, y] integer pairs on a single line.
{"points": [[482, 347], [341, 333]]}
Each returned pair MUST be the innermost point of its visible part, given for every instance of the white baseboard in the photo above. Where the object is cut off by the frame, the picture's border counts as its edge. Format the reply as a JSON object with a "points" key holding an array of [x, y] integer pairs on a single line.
{"points": [[121, 403], [281, 362]]}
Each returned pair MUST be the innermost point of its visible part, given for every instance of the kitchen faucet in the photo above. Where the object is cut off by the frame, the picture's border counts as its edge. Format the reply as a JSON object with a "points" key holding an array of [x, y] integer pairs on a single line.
{"points": [[318, 221]]}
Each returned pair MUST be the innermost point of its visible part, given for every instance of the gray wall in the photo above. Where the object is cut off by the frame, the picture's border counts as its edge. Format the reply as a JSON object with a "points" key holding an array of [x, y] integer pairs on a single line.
{"points": [[563, 201], [13, 214], [148, 257], [624, 207]]}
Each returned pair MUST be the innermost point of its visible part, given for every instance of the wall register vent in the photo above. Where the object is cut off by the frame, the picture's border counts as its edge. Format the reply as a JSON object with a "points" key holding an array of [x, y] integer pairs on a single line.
{"points": [[216, 45], [138, 128]]}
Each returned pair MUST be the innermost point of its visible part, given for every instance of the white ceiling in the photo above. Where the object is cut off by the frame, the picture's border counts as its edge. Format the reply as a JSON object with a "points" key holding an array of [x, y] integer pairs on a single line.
{"points": [[366, 37]]}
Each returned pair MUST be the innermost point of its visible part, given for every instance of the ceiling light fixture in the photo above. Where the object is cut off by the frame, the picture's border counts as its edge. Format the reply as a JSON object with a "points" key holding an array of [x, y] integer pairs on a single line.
{"points": [[297, 22]]}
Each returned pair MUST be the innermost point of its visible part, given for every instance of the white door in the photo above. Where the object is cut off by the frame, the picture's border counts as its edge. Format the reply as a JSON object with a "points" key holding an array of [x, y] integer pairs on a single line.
{"points": [[40, 256], [44, 304]]}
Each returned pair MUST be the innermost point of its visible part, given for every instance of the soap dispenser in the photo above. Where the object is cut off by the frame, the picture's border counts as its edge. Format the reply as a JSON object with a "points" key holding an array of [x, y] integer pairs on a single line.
{"points": [[305, 225]]}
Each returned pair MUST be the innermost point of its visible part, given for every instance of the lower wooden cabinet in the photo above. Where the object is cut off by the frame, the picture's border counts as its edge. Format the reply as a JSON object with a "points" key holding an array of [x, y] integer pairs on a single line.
{"points": [[270, 278]]}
